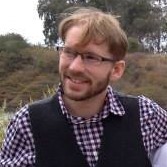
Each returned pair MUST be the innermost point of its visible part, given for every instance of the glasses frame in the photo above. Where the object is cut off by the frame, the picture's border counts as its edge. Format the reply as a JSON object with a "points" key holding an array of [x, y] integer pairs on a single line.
{"points": [[75, 53]]}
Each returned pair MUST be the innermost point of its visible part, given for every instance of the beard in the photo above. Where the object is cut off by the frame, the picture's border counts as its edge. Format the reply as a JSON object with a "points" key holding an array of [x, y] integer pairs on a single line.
{"points": [[93, 88]]}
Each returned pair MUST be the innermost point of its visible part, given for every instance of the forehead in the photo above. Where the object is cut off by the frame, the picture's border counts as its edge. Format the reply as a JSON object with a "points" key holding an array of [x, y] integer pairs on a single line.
{"points": [[73, 35], [74, 38]]}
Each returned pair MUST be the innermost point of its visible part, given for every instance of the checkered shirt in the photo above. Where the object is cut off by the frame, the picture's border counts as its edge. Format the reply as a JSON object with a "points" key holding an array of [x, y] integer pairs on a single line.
{"points": [[18, 149]]}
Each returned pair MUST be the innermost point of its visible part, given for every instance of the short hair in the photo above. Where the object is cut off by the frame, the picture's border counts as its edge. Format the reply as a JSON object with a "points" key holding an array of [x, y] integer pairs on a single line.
{"points": [[97, 25]]}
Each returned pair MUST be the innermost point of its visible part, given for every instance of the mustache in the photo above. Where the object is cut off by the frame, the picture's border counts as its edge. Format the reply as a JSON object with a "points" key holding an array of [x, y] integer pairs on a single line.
{"points": [[78, 75]]}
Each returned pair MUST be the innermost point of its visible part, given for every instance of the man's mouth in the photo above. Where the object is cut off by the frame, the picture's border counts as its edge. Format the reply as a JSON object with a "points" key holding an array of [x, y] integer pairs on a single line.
{"points": [[78, 79]]}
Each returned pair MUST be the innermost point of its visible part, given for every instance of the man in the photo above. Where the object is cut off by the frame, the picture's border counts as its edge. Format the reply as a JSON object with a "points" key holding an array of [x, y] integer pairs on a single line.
{"points": [[87, 123]]}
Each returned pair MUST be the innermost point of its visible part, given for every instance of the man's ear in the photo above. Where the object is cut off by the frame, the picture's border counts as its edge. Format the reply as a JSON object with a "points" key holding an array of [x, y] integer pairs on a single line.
{"points": [[117, 70]]}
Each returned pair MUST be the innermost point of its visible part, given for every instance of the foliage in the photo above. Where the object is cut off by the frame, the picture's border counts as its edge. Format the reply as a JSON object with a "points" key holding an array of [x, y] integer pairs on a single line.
{"points": [[25, 74], [12, 43], [144, 20], [4, 120], [145, 74], [12, 61], [134, 45], [3, 125], [46, 10]]}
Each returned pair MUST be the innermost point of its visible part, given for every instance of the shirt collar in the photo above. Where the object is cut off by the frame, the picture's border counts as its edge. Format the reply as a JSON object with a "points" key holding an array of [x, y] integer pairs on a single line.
{"points": [[112, 105]]}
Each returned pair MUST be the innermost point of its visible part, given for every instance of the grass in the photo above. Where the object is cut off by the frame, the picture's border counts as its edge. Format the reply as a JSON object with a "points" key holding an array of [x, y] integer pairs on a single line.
{"points": [[5, 116], [4, 120]]}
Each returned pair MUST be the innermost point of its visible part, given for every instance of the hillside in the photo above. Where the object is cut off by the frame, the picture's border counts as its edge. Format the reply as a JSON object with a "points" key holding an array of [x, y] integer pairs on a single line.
{"points": [[27, 76], [32, 74], [147, 75]]}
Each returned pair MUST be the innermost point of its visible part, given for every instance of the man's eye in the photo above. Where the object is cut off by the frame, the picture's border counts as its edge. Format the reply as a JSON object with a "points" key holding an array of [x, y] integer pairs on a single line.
{"points": [[68, 51], [91, 57]]}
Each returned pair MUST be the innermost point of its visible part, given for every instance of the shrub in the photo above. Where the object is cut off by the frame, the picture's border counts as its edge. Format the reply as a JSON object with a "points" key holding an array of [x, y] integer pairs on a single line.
{"points": [[12, 43], [134, 45]]}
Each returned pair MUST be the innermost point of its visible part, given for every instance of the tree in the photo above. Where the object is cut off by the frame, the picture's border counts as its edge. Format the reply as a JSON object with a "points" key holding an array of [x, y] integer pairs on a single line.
{"points": [[160, 35], [11, 57], [143, 20], [50, 11]]}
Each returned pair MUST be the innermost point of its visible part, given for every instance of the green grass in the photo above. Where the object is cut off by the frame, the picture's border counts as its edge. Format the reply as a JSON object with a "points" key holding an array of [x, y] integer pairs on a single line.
{"points": [[4, 120]]}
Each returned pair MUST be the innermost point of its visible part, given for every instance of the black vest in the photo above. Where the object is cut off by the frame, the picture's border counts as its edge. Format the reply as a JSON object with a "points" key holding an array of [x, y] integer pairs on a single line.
{"points": [[56, 146]]}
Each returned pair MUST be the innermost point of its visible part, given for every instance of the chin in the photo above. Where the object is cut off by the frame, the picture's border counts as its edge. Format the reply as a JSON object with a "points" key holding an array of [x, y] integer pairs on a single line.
{"points": [[76, 96]]}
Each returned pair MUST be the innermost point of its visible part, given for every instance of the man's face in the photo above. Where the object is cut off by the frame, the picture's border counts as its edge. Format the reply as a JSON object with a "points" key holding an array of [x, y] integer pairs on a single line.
{"points": [[81, 81]]}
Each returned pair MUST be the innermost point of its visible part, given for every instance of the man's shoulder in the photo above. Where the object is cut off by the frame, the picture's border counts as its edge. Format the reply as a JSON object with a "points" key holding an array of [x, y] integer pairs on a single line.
{"points": [[44, 107], [145, 103], [149, 106], [124, 95], [21, 114], [43, 102], [126, 99]]}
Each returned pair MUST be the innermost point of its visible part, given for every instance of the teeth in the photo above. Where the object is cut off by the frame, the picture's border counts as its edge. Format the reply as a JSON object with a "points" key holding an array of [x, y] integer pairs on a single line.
{"points": [[76, 81]]}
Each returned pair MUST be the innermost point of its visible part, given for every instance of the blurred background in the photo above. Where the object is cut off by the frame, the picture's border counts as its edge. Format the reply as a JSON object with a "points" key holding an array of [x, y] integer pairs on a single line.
{"points": [[29, 61]]}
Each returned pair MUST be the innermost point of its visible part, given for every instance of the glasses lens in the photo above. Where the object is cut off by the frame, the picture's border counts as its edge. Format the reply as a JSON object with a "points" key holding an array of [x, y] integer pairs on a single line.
{"points": [[90, 58], [67, 53]]}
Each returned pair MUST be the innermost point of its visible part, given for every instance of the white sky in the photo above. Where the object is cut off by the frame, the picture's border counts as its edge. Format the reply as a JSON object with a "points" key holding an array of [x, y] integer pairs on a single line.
{"points": [[21, 17]]}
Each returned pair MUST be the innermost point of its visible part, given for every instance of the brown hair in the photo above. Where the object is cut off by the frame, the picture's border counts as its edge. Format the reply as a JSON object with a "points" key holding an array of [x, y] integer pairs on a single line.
{"points": [[97, 25]]}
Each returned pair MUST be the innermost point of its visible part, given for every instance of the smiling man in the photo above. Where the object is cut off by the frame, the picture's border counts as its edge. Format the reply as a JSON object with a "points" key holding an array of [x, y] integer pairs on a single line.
{"points": [[86, 123]]}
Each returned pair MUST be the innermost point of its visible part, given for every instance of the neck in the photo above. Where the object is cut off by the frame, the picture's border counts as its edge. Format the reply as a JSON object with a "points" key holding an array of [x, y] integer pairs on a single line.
{"points": [[86, 108]]}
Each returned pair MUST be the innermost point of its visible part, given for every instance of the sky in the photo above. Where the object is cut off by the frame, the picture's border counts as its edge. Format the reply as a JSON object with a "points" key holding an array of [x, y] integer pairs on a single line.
{"points": [[21, 17]]}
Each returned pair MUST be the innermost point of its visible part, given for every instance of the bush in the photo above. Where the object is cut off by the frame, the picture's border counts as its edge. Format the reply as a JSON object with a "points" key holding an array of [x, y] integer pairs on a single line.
{"points": [[12, 43], [134, 45], [12, 61]]}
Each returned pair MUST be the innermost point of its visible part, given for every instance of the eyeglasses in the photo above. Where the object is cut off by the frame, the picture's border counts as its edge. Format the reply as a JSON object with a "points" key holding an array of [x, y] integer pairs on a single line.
{"points": [[88, 58]]}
